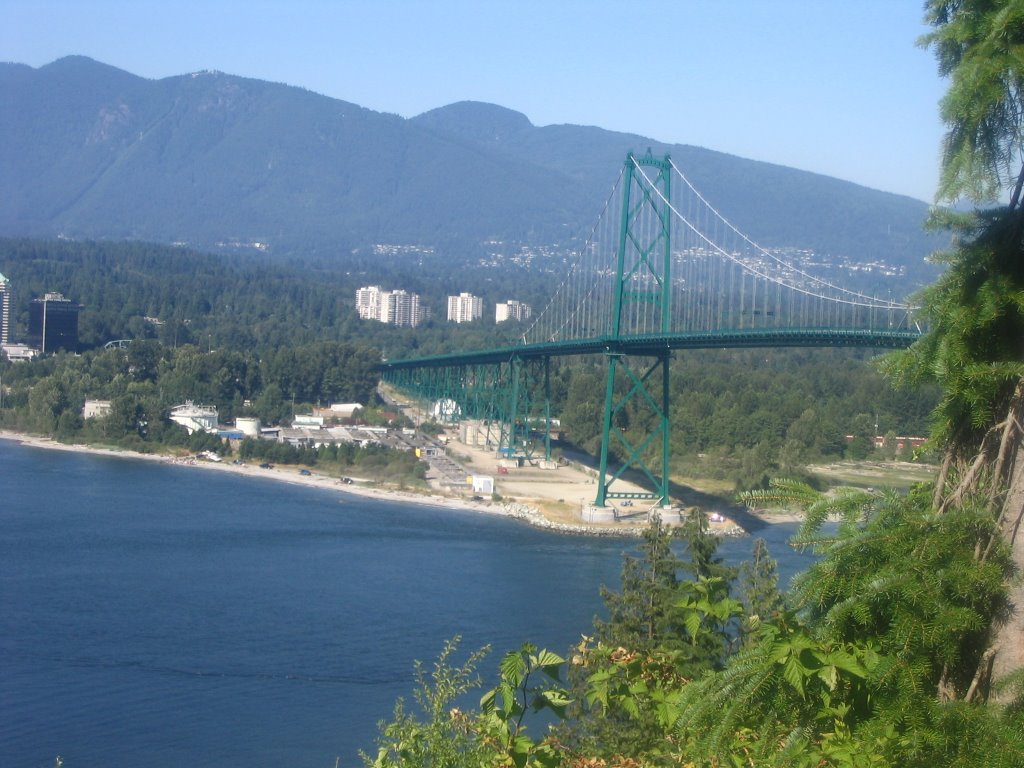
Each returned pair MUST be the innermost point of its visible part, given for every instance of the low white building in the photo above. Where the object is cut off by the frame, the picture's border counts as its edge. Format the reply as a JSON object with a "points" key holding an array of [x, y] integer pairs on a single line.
{"points": [[96, 409], [194, 417], [248, 426], [344, 410], [19, 353], [482, 483]]}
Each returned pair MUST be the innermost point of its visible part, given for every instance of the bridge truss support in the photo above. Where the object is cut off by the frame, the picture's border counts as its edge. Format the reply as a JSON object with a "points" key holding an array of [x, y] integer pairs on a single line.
{"points": [[636, 456], [511, 398], [527, 398], [642, 290]]}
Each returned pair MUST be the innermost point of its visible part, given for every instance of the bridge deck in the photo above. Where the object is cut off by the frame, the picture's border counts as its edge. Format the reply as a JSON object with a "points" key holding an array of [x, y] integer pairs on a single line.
{"points": [[656, 344]]}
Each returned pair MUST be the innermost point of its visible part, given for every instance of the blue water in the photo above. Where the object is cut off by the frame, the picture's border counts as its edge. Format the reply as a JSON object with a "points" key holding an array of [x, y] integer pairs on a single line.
{"points": [[162, 615]]}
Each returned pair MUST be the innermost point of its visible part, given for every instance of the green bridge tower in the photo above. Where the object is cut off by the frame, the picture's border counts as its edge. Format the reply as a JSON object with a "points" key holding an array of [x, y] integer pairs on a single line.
{"points": [[642, 283]]}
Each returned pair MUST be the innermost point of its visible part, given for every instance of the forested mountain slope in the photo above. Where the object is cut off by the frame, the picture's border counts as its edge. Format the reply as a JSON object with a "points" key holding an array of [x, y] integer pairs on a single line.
{"points": [[224, 162]]}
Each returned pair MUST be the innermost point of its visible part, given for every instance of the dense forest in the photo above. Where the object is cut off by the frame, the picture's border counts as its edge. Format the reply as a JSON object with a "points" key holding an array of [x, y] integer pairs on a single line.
{"points": [[745, 415], [132, 290]]}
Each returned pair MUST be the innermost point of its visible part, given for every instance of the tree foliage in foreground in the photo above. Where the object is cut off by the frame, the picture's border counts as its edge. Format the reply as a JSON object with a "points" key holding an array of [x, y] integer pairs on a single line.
{"points": [[974, 347], [442, 735], [868, 666], [651, 617]]}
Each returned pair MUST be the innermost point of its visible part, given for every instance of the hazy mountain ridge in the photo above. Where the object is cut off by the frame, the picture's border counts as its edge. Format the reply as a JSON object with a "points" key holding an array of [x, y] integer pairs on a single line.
{"points": [[762, 198], [91, 151]]}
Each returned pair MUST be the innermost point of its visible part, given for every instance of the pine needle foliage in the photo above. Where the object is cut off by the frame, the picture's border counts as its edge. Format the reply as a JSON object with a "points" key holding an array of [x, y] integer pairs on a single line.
{"points": [[871, 666], [906, 577], [787, 699], [978, 45], [672, 618], [974, 345], [758, 585], [640, 613]]}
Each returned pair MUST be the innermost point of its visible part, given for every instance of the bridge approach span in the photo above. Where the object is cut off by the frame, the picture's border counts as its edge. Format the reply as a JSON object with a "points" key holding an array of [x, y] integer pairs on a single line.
{"points": [[656, 345]]}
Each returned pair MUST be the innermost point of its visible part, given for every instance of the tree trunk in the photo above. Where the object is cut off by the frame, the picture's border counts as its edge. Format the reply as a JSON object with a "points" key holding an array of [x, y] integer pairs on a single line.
{"points": [[1009, 639]]}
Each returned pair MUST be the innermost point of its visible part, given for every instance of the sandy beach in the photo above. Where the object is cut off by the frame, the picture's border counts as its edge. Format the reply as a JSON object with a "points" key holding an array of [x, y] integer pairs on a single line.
{"points": [[551, 501], [287, 474]]}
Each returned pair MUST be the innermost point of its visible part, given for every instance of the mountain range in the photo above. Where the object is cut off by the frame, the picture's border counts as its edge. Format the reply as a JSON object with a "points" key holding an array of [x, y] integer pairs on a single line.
{"points": [[220, 161]]}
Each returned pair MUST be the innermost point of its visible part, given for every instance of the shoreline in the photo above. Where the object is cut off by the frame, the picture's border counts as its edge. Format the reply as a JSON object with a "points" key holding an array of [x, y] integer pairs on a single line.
{"points": [[516, 510]]}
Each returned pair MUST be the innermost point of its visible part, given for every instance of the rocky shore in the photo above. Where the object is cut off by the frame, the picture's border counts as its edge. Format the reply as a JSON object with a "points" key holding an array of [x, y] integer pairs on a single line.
{"points": [[534, 517]]}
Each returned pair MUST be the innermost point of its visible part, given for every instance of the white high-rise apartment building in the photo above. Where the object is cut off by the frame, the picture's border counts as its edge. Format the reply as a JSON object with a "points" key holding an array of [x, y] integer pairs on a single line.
{"points": [[396, 307], [464, 308], [511, 310], [5, 310], [401, 308], [368, 302]]}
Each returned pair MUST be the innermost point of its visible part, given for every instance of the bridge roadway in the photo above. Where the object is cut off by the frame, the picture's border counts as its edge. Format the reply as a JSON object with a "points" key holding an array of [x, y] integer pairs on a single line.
{"points": [[656, 344]]}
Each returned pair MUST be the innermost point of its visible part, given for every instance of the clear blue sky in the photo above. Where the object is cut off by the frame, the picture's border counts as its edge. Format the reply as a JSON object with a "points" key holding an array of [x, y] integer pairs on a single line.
{"points": [[832, 86]]}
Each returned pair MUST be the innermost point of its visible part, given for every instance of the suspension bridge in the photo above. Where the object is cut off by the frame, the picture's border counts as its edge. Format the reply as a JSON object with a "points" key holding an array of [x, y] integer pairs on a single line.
{"points": [[662, 270]]}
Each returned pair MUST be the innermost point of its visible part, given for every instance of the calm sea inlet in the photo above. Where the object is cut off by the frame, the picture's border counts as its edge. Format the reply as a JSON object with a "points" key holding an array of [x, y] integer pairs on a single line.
{"points": [[161, 615]]}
